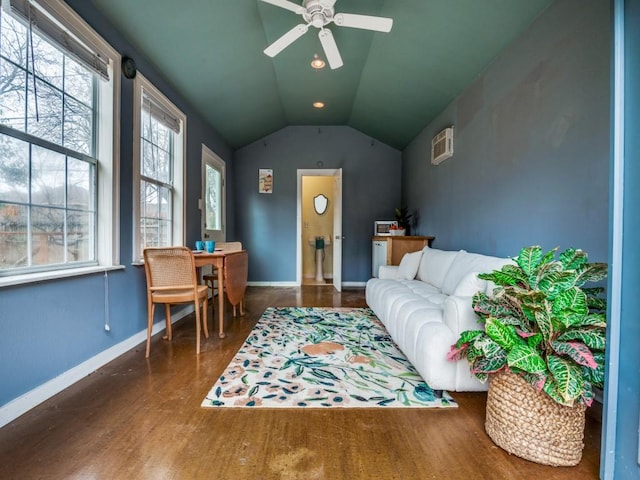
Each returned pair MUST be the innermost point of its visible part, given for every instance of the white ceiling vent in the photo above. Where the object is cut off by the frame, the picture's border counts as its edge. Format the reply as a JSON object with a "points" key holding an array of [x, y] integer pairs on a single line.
{"points": [[442, 146]]}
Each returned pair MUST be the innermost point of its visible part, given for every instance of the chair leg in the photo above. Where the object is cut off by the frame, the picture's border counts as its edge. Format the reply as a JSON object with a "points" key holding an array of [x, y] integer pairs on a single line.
{"points": [[205, 320], [167, 320], [197, 305], [150, 310]]}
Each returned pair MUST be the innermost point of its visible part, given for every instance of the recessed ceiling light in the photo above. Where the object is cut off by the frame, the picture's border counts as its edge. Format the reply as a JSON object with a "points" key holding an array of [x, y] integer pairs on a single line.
{"points": [[317, 62], [318, 104]]}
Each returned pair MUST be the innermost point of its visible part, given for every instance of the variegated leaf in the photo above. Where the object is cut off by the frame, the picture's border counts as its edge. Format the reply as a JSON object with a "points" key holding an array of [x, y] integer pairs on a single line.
{"points": [[508, 275], [573, 300], [494, 307], [526, 358], [587, 394], [594, 320], [592, 272], [578, 351], [490, 348], [457, 353], [468, 336], [488, 365], [503, 335], [545, 325], [529, 258], [592, 338], [572, 258], [548, 278], [550, 387], [568, 377], [536, 380], [597, 304], [534, 340], [595, 376], [556, 281]]}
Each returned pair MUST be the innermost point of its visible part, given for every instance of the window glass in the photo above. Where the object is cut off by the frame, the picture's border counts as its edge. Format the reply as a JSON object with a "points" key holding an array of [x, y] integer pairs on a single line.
{"points": [[159, 170], [212, 204], [48, 154]]}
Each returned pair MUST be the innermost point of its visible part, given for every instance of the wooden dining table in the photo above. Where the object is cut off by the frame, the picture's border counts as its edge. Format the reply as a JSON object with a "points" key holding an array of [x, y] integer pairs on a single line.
{"points": [[232, 268]]}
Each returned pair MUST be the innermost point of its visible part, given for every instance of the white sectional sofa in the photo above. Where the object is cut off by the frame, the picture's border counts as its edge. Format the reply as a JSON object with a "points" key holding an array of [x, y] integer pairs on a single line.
{"points": [[425, 303]]}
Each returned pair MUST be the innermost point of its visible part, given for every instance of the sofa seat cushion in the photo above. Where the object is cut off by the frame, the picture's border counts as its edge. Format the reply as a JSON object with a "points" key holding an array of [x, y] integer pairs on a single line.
{"points": [[385, 296], [402, 305]]}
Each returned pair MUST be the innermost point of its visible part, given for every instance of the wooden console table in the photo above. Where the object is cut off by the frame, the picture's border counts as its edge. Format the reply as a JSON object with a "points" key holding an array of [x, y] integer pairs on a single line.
{"points": [[398, 245]]}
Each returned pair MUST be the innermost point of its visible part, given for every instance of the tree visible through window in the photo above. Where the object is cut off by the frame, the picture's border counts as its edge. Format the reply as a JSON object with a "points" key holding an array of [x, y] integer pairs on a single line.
{"points": [[156, 182], [48, 164], [213, 220]]}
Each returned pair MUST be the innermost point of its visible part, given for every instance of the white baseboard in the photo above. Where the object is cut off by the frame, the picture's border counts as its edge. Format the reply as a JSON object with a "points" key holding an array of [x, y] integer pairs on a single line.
{"points": [[22, 404], [294, 284]]}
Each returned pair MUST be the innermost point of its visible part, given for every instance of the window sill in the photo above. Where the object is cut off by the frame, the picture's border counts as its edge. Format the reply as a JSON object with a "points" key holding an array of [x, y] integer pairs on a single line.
{"points": [[54, 275]]}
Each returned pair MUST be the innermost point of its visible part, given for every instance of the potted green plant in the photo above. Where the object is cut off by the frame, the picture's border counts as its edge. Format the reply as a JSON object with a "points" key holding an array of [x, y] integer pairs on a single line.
{"points": [[403, 217], [543, 337]]}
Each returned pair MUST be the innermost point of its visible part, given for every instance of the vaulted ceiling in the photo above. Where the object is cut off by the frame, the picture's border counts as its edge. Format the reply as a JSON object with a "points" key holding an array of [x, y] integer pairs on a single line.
{"points": [[390, 87]]}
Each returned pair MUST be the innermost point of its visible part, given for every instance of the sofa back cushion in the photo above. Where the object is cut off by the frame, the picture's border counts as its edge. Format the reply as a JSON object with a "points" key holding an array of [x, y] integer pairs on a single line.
{"points": [[463, 272], [409, 265], [434, 265]]}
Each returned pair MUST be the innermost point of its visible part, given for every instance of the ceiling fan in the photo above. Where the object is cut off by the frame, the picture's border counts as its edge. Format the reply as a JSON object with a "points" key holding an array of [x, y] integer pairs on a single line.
{"points": [[318, 14]]}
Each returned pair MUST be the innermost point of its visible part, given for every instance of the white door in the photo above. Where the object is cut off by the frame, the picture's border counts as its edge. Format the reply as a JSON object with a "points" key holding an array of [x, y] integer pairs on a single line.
{"points": [[337, 230], [212, 203]]}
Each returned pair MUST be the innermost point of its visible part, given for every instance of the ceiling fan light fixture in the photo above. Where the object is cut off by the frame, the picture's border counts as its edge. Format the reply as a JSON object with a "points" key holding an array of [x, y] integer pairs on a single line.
{"points": [[317, 63], [319, 14], [318, 104]]}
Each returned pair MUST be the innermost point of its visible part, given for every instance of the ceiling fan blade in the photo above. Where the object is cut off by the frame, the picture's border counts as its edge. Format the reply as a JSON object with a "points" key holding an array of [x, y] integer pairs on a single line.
{"points": [[285, 40], [330, 48], [294, 7], [367, 22]]}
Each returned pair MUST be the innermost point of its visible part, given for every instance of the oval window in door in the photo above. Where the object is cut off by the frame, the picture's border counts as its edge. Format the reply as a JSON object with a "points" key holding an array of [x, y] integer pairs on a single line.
{"points": [[320, 203]]}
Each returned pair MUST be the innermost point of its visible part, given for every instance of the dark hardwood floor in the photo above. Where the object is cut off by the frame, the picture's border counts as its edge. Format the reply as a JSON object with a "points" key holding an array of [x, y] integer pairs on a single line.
{"points": [[141, 419]]}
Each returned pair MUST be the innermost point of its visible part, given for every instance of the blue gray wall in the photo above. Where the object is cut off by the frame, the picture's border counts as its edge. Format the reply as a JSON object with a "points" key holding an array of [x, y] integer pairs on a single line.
{"points": [[268, 224], [531, 142], [50, 327]]}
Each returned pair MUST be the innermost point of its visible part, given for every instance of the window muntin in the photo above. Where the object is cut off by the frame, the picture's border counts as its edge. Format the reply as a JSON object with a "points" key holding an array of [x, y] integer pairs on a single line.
{"points": [[49, 155]]}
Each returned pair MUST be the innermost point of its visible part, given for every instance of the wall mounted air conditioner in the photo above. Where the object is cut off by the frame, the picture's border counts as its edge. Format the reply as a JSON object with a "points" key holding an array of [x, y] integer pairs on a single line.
{"points": [[442, 146]]}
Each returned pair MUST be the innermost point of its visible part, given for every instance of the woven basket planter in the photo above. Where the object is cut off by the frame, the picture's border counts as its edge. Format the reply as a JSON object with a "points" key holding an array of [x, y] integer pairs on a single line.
{"points": [[529, 424]]}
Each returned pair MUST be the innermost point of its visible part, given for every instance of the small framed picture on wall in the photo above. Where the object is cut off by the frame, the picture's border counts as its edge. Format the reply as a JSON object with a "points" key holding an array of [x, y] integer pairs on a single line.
{"points": [[265, 180]]}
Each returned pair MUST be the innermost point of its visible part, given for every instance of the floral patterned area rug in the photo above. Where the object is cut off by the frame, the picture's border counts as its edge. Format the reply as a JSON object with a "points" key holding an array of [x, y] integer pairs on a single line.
{"points": [[321, 357]]}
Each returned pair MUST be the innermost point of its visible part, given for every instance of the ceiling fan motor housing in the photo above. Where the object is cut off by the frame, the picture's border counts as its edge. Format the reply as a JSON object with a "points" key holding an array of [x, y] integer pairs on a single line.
{"points": [[318, 13]]}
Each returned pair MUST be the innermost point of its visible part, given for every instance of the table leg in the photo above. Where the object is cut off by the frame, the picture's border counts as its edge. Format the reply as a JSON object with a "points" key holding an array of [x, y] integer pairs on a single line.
{"points": [[221, 333]]}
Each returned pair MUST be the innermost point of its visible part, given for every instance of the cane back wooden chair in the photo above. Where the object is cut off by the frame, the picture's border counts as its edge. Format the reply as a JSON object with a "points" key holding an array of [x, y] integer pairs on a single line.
{"points": [[171, 280]]}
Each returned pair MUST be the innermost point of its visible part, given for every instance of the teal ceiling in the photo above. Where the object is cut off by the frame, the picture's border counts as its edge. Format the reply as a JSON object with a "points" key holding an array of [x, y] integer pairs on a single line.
{"points": [[390, 87]]}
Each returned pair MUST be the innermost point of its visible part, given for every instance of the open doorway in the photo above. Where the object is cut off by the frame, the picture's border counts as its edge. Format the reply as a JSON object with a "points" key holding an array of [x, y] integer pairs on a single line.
{"points": [[319, 256]]}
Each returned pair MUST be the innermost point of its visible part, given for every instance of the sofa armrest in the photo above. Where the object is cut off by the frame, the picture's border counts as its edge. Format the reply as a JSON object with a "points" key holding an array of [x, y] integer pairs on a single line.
{"points": [[388, 272], [459, 316]]}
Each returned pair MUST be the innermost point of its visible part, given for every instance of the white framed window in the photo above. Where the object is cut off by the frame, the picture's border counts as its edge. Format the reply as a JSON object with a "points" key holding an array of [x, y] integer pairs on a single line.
{"points": [[59, 144], [159, 162], [213, 195]]}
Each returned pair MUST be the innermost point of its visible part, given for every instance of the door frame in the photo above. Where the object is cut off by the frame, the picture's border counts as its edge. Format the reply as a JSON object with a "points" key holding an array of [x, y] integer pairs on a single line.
{"points": [[209, 157], [337, 244]]}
